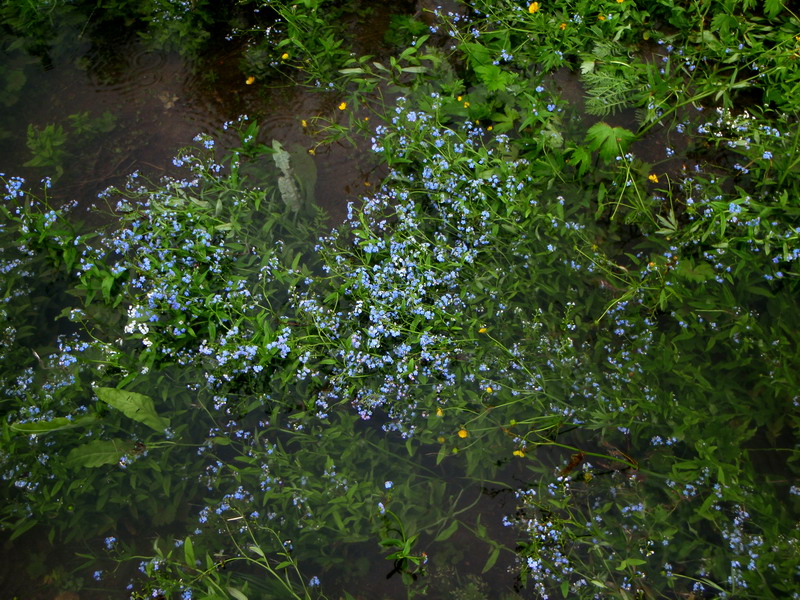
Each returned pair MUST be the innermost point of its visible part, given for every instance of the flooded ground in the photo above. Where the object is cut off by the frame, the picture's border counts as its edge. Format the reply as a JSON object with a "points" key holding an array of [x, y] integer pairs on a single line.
{"points": [[112, 106]]}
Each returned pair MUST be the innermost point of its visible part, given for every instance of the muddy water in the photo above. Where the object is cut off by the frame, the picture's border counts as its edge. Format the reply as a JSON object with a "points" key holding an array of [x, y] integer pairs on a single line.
{"points": [[160, 101]]}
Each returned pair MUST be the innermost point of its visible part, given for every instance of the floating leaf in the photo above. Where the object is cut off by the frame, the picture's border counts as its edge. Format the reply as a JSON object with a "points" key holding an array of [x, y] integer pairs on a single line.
{"points": [[134, 406]]}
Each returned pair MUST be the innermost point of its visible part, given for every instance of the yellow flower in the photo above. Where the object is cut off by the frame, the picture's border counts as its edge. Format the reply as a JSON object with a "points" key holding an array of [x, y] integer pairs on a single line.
{"points": [[602, 17], [466, 104], [366, 118], [458, 98], [250, 80], [343, 106], [533, 8], [489, 128], [489, 389], [284, 56], [653, 177], [620, 1], [563, 26], [304, 123], [312, 152], [439, 411], [482, 330], [462, 433], [441, 439], [520, 453]]}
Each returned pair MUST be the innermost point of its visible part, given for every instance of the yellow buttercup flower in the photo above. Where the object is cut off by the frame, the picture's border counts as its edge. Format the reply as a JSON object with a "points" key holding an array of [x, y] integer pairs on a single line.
{"points": [[466, 104], [304, 123], [489, 389], [653, 177], [462, 433], [482, 330], [489, 128], [602, 17], [343, 106], [533, 8], [563, 26], [250, 80], [441, 439], [520, 453], [284, 56], [439, 411]]}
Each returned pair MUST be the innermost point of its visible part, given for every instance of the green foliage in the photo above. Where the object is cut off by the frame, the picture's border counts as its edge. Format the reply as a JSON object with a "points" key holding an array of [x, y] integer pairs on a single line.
{"points": [[609, 142], [597, 319]]}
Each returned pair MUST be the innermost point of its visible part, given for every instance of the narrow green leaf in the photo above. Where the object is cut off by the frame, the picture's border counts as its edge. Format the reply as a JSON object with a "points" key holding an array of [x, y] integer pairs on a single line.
{"points": [[451, 529], [491, 560], [188, 552], [237, 594], [56, 424]]}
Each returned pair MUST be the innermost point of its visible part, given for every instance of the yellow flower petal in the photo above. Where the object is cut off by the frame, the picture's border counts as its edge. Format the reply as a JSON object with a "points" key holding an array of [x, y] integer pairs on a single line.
{"points": [[284, 56], [533, 8], [343, 106], [482, 330], [250, 80], [439, 411], [304, 123], [563, 26], [519, 453], [489, 389], [653, 177], [462, 433]]}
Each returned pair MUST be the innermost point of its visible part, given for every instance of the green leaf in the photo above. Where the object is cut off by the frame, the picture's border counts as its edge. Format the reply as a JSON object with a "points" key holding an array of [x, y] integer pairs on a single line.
{"points": [[451, 529], [772, 8], [494, 78], [491, 560], [188, 552], [134, 406], [237, 594], [98, 453], [609, 141], [56, 424]]}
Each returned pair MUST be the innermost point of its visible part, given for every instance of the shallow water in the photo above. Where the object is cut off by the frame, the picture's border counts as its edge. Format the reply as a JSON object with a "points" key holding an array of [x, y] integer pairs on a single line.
{"points": [[159, 101]]}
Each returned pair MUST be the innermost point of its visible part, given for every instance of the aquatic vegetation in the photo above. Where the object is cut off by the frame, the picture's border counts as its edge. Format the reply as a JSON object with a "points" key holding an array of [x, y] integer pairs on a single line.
{"points": [[595, 316]]}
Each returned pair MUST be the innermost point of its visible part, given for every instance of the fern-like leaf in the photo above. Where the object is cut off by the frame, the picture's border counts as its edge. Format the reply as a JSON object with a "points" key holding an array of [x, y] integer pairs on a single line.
{"points": [[608, 90]]}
